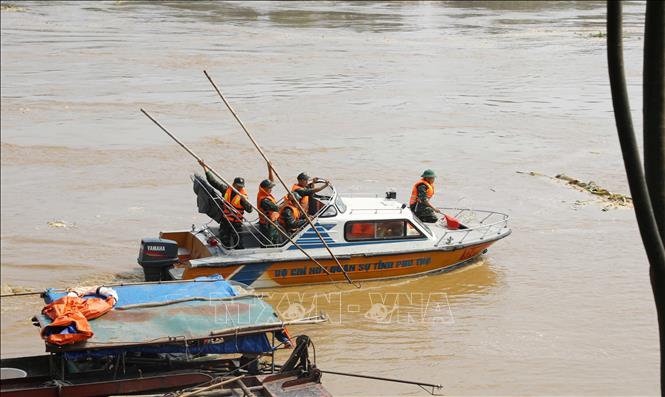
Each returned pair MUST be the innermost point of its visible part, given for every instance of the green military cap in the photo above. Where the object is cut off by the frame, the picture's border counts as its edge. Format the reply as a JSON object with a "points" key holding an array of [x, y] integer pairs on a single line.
{"points": [[303, 176], [239, 181], [428, 174], [267, 183]]}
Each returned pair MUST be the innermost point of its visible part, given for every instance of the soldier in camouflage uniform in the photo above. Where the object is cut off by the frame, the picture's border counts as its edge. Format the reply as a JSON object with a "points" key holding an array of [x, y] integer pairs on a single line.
{"points": [[234, 209], [305, 190], [421, 194], [290, 216], [268, 207]]}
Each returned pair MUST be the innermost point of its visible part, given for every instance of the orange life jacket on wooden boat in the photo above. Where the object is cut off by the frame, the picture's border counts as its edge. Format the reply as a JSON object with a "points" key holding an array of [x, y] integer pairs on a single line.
{"points": [[414, 191], [74, 311], [273, 215], [296, 213], [231, 197], [304, 200]]}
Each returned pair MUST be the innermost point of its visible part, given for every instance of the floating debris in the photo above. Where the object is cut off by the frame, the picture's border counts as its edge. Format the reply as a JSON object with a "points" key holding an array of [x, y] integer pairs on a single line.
{"points": [[612, 200], [593, 188], [533, 173], [6, 289], [61, 224], [10, 7]]}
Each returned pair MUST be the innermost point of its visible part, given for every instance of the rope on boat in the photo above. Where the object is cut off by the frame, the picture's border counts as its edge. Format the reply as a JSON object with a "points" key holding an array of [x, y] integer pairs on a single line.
{"points": [[111, 285], [422, 385], [190, 299], [214, 385], [289, 192], [22, 294]]}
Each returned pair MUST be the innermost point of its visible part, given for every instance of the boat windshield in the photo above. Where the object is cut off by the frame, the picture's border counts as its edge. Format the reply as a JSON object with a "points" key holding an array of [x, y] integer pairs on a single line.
{"points": [[422, 225], [321, 200], [341, 206]]}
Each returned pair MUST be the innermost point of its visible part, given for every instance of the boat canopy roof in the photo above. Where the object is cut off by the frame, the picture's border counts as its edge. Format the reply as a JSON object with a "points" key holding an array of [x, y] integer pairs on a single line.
{"points": [[164, 292], [168, 317]]}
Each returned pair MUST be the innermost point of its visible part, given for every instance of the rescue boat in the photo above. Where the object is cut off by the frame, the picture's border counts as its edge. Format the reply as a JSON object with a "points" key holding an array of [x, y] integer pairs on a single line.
{"points": [[373, 238]]}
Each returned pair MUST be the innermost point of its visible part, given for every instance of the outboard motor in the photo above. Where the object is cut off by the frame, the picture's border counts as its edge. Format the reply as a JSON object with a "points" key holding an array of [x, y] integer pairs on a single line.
{"points": [[156, 257]]}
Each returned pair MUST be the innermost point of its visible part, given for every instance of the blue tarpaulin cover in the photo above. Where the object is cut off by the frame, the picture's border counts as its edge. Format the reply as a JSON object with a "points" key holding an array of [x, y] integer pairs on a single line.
{"points": [[242, 344], [148, 329], [213, 286]]}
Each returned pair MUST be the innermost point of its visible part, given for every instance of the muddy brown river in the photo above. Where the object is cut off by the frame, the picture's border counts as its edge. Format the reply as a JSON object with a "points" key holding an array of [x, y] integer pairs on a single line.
{"points": [[367, 95]]}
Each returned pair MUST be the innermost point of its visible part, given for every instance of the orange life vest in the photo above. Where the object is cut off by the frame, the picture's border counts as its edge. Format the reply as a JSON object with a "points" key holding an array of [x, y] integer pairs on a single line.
{"points": [[296, 213], [304, 200], [414, 191], [273, 215], [75, 311], [235, 199]]}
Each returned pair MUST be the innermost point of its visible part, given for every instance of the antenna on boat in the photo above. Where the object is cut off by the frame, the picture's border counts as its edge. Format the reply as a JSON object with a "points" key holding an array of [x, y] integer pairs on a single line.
{"points": [[200, 160], [290, 193]]}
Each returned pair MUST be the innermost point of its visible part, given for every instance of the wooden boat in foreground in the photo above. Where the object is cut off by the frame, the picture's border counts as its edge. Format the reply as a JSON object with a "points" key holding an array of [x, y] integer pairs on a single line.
{"points": [[373, 238], [203, 336]]}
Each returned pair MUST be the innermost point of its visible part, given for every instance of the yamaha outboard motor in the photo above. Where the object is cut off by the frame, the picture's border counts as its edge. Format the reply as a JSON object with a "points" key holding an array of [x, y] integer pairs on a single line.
{"points": [[156, 257]]}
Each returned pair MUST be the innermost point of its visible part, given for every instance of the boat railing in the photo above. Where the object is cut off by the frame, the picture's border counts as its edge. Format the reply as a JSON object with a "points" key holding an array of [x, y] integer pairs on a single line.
{"points": [[221, 205], [361, 194], [483, 222], [250, 221], [378, 210], [327, 198]]}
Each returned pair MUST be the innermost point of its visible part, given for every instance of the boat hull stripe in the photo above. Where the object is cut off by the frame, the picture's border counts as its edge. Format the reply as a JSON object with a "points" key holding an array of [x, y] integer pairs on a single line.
{"points": [[249, 274]]}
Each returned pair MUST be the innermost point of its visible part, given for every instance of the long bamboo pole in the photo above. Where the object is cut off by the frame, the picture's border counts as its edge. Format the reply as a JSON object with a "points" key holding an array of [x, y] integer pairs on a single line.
{"points": [[290, 193], [200, 160]]}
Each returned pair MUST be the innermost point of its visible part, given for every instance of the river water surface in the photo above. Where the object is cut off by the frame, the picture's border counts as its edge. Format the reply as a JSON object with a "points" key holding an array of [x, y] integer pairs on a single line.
{"points": [[367, 95]]}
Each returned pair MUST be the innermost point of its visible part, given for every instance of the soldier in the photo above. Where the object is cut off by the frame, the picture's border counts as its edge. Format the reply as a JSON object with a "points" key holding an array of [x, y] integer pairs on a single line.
{"points": [[267, 204], [230, 228], [289, 215], [305, 189], [421, 194]]}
